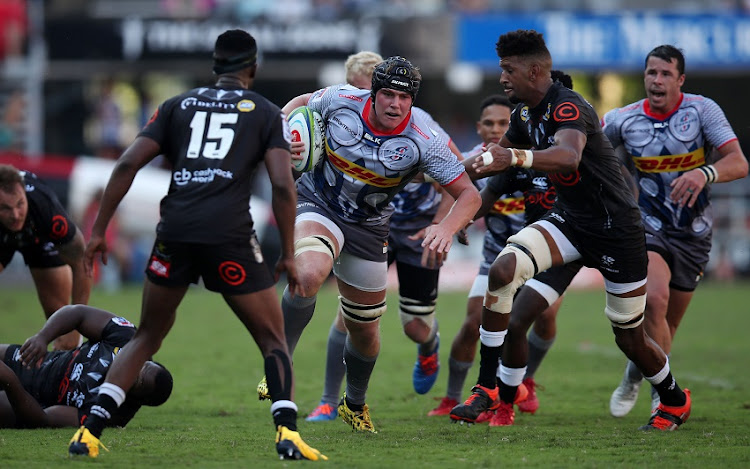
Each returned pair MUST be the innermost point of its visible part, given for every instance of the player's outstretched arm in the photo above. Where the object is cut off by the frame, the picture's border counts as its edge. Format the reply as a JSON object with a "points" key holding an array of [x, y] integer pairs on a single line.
{"points": [[89, 321], [284, 204]]}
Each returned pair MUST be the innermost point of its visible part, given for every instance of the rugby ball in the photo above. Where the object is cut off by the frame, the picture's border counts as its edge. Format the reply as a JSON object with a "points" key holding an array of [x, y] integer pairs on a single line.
{"points": [[307, 126]]}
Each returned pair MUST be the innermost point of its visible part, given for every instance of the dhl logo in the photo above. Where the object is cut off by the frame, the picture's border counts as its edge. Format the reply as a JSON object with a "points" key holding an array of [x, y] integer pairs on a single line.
{"points": [[508, 206], [670, 163], [361, 173]]}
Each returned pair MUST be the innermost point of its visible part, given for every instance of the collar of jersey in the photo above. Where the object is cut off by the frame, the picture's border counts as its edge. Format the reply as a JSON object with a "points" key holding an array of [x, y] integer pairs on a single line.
{"points": [[396, 131], [661, 117]]}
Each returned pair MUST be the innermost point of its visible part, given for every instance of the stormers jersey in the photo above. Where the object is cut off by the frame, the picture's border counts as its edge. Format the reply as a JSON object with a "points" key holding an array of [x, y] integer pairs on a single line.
{"points": [[662, 147], [214, 139], [506, 217], [47, 222], [595, 194], [415, 206], [363, 169]]}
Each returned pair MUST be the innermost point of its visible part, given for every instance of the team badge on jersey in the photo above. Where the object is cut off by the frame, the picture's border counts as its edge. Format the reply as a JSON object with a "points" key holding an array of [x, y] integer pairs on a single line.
{"points": [[398, 153], [122, 322]]}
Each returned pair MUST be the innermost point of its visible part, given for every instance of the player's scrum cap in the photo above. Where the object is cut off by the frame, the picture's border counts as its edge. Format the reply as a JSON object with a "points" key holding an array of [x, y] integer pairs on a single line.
{"points": [[396, 73]]}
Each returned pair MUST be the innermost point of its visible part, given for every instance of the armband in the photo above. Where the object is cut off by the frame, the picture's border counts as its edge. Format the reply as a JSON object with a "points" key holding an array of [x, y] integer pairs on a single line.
{"points": [[522, 158], [709, 172]]}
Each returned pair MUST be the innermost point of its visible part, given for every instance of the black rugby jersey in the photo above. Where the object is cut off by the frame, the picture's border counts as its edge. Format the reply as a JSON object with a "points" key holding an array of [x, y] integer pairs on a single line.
{"points": [[596, 194], [72, 377], [214, 139], [538, 191], [47, 222]]}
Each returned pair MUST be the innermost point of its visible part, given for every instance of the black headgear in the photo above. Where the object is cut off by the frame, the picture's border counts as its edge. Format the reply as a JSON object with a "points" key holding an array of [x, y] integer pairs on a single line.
{"points": [[234, 50], [396, 73]]}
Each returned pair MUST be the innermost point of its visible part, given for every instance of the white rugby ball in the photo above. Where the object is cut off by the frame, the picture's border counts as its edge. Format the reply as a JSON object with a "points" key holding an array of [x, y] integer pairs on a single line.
{"points": [[307, 126]]}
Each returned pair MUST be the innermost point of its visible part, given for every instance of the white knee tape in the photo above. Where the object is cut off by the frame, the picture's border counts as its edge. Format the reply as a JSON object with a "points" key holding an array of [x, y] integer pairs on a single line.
{"points": [[625, 313], [316, 243], [533, 240], [501, 300], [409, 310], [360, 313]]}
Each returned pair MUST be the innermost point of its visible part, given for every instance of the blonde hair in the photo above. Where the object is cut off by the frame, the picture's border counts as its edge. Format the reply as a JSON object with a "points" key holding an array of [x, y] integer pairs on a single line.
{"points": [[361, 64]]}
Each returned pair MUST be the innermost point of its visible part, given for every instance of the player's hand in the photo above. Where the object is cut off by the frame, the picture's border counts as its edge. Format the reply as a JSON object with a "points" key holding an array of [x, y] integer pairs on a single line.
{"points": [[33, 351], [493, 160], [463, 235], [687, 187], [97, 243], [297, 148], [287, 265], [437, 242]]}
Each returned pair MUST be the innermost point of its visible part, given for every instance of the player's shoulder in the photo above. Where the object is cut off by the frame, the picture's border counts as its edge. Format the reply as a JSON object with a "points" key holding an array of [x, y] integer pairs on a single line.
{"points": [[690, 99]]}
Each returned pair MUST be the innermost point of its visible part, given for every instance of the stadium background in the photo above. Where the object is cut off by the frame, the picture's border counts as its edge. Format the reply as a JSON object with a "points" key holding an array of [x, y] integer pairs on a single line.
{"points": [[80, 77]]}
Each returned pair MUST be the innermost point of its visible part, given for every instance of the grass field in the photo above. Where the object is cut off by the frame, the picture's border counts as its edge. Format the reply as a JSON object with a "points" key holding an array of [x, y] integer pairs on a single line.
{"points": [[214, 419]]}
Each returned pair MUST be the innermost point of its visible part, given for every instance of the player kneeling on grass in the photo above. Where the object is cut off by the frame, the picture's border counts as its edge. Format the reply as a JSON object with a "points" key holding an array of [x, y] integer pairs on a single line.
{"points": [[57, 389]]}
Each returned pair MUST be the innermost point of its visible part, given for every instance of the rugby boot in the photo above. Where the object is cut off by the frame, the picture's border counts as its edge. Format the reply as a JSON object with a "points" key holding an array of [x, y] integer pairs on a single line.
{"points": [[289, 445], [444, 408], [263, 393], [668, 418], [624, 397], [426, 370], [358, 419], [531, 403], [480, 400], [324, 412], [504, 415], [84, 443]]}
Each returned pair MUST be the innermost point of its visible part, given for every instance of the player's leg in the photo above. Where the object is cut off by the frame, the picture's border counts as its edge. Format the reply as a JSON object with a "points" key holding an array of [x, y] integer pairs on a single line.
{"points": [[625, 310], [361, 284], [335, 371], [540, 339], [417, 296], [528, 252], [53, 287], [317, 242]]}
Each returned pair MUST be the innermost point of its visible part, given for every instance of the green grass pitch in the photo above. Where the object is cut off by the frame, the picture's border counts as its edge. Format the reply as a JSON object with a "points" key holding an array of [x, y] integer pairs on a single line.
{"points": [[214, 419]]}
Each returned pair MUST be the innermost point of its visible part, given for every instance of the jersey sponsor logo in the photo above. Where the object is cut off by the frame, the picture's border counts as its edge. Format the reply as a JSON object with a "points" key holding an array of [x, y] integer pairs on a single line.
{"points": [[545, 117], [361, 173], [246, 105], [566, 111], [351, 97], [542, 199], [59, 227], [159, 267], [92, 350], [77, 372], [122, 322], [201, 176], [509, 206], [65, 382], [192, 101], [524, 113], [419, 131], [569, 179], [670, 163], [232, 273]]}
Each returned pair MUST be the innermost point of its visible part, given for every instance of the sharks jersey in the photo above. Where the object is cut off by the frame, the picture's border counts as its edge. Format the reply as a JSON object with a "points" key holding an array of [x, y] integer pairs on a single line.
{"points": [[72, 377], [47, 224], [594, 195], [214, 139], [363, 169], [662, 147], [415, 206]]}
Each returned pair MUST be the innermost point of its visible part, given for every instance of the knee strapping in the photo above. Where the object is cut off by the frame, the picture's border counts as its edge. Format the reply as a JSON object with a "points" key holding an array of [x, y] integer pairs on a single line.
{"points": [[316, 243], [410, 309], [360, 313], [625, 313], [501, 299]]}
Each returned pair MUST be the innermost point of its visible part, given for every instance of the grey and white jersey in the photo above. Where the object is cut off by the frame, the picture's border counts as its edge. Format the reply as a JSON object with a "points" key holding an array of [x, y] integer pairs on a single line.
{"points": [[364, 169], [661, 147]]}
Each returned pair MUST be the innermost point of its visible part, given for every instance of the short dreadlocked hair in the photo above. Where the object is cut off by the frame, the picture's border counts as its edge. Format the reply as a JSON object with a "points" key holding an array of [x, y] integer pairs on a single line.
{"points": [[523, 43], [234, 50]]}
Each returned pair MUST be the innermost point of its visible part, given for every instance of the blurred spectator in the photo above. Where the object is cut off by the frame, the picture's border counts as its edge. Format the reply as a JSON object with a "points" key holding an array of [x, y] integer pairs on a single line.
{"points": [[12, 28], [11, 125], [104, 131]]}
